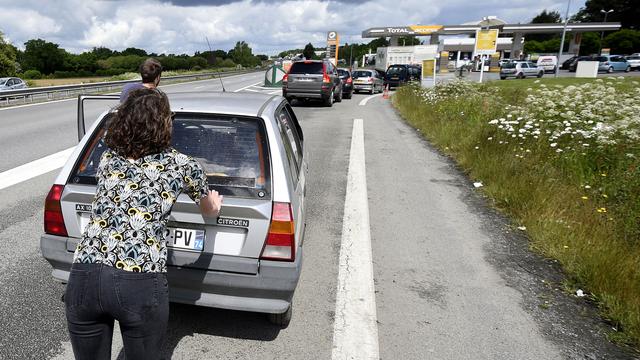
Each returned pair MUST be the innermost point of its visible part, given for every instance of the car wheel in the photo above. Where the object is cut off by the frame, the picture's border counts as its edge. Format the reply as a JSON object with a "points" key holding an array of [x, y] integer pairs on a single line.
{"points": [[540, 74], [627, 69], [349, 95], [503, 77], [281, 320], [329, 100], [610, 69], [339, 98], [520, 76]]}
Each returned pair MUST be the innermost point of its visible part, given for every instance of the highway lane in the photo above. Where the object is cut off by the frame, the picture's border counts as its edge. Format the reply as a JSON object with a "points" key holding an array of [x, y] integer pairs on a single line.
{"points": [[33, 131], [441, 292]]}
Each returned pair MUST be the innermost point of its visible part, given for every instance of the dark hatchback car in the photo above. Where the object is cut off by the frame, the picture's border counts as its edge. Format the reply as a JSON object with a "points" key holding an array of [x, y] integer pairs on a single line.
{"points": [[401, 74], [574, 62], [312, 79], [347, 83]]}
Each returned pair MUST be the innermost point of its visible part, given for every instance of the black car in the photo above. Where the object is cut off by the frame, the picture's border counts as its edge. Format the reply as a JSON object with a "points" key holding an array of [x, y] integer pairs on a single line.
{"points": [[574, 64], [565, 64], [397, 75], [347, 83]]}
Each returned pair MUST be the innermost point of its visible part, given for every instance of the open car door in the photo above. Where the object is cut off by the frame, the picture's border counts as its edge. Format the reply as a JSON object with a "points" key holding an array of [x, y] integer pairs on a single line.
{"points": [[90, 111]]}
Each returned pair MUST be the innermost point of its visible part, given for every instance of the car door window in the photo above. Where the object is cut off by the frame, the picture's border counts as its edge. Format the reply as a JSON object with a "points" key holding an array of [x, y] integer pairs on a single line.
{"points": [[292, 146], [10, 82]]}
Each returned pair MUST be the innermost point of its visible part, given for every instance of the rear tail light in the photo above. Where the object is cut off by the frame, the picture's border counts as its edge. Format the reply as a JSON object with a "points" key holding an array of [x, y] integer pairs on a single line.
{"points": [[53, 219], [349, 80], [285, 78], [280, 243], [325, 77]]}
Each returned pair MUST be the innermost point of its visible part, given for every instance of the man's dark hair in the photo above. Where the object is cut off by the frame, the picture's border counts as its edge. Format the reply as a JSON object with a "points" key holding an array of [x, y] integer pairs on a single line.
{"points": [[150, 70], [142, 125]]}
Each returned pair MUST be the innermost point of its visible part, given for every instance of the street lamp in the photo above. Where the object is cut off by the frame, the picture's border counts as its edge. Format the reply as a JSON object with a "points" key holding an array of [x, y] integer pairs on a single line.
{"points": [[602, 32], [564, 33]]}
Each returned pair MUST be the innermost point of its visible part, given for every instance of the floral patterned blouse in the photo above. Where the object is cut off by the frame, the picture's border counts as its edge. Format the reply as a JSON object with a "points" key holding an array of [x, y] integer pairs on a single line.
{"points": [[127, 228]]}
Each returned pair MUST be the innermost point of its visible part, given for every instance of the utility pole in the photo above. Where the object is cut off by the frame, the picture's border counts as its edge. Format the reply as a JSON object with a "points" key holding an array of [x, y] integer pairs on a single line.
{"points": [[602, 32], [564, 33]]}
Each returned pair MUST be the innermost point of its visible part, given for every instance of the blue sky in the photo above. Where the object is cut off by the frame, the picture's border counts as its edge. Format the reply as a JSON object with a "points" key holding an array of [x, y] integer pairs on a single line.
{"points": [[269, 26]]}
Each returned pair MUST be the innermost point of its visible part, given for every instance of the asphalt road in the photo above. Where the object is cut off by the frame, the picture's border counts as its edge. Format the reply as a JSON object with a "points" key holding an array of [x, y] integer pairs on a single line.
{"points": [[452, 280]]}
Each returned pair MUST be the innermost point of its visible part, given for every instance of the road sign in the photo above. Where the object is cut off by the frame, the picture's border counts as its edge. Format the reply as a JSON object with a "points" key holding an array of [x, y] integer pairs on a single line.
{"points": [[333, 44], [486, 42]]}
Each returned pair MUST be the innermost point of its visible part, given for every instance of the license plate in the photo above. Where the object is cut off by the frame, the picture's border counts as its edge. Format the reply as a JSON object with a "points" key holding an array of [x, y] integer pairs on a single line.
{"points": [[305, 79], [190, 239], [359, 81]]}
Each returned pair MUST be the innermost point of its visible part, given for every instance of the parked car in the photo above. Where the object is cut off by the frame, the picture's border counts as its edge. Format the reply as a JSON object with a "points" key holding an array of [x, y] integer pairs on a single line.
{"points": [[367, 80], [548, 63], [400, 74], [634, 62], [611, 63], [312, 79], [520, 70], [503, 61], [565, 64], [347, 83], [574, 63], [252, 148], [12, 83]]}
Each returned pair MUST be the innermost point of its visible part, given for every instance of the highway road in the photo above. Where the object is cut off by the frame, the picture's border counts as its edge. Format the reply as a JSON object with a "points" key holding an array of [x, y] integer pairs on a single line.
{"points": [[449, 278]]}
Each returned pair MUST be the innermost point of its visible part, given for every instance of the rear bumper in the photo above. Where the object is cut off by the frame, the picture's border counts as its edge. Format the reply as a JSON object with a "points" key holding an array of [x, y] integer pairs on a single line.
{"points": [[359, 87], [307, 94], [269, 291], [347, 88]]}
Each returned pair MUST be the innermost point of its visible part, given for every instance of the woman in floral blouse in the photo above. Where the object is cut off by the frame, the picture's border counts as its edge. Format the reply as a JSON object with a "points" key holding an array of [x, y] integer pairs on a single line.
{"points": [[119, 267]]}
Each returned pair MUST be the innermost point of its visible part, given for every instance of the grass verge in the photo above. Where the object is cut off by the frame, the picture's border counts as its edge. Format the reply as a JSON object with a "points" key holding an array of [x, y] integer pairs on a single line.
{"points": [[561, 157]]}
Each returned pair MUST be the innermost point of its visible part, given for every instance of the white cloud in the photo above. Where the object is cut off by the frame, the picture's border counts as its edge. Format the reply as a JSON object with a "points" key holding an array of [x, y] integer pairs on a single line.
{"points": [[267, 26]]}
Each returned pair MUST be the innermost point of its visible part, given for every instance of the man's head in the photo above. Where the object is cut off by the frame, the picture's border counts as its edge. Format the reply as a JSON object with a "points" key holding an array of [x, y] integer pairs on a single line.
{"points": [[150, 71]]}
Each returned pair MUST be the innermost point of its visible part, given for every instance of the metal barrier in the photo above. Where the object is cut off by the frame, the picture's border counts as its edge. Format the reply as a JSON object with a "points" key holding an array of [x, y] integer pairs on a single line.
{"points": [[67, 91]]}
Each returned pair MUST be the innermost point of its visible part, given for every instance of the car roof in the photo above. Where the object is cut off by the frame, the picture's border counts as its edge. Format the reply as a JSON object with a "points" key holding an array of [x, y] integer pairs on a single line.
{"points": [[243, 104]]}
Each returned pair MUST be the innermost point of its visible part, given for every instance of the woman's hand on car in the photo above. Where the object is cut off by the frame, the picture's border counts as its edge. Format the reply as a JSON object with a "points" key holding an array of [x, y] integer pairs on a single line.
{"points": [[211, 204]]}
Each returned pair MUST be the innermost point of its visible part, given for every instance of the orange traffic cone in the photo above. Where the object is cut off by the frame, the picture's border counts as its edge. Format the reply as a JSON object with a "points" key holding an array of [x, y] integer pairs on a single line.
{"points": [[385, 93]]}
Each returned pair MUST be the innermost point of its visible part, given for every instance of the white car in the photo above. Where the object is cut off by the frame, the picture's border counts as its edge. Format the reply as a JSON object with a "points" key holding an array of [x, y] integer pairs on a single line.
{"points": [[548, 63], [520, 70], [12, 83], [634, 62]]}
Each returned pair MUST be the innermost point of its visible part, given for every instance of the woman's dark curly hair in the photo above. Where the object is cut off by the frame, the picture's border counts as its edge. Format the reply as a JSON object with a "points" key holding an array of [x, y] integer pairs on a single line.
{"points": [[141, 126]]}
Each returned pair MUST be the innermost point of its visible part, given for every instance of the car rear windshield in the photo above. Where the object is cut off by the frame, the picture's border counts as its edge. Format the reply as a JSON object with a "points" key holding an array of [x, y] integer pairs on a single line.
{"points": [[633, 57], [358, 74], [306, 68], [396, 70], [343, 72], [232, 150], [509, 65]]}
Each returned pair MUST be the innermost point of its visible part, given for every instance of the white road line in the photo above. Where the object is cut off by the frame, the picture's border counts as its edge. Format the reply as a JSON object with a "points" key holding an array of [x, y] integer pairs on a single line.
{"points": [[246, 87], [275, 92], [364, 101], [355, 331], [34, 168]]}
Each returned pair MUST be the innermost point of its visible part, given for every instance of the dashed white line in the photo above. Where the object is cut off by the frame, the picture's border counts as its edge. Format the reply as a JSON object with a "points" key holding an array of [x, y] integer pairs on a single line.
{"points": [[355, 331], [34, 168], [364, 101]]}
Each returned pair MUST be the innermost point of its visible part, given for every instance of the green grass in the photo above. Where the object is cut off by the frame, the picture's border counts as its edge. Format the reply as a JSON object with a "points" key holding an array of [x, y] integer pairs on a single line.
{"points": [[543, 191]]}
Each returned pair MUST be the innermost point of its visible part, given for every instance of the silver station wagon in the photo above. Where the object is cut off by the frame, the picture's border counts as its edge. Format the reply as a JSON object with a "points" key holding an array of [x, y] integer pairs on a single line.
{"points": [[251, 147]]}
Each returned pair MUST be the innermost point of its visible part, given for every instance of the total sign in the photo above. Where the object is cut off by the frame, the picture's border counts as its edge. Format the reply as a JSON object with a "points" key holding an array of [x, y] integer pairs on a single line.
{"points": [[333, 42]]}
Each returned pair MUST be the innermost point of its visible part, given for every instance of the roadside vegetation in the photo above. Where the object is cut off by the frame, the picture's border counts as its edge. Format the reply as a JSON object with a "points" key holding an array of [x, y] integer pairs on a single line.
{"points": [[562, 158]]}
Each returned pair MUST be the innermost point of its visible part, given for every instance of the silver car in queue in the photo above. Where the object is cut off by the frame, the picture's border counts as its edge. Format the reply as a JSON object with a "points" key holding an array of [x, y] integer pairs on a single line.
{"points": [[520, 70], [250, 257]]}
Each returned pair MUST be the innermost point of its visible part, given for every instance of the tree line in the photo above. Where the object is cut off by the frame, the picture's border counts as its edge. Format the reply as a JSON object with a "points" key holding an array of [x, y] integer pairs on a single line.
{"points": [[41, 58]]}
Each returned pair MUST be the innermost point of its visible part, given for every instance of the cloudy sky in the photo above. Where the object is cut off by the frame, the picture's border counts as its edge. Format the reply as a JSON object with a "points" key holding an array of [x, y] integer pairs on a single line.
{"points": [[269, 26]]}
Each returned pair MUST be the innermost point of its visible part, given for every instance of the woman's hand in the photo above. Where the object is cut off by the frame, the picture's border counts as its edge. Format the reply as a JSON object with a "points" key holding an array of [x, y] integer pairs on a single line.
{"points": [[211, 204]]}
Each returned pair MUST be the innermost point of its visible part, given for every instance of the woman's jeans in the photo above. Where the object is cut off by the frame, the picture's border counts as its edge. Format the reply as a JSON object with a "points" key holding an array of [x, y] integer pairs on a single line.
{"points": [[97, 294]]}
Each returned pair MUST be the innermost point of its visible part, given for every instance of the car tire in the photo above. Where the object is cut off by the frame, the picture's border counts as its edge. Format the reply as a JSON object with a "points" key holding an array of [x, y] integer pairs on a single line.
{"points": [[339, 98], [610, 69], [281, 320], [349, 95], [627, 69], [328, 102], [540, 74], [520, 76], [503, 77]]}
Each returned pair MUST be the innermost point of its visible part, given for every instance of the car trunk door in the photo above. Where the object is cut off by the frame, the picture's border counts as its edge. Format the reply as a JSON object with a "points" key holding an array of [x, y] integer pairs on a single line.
{"points": [[305, 77]]}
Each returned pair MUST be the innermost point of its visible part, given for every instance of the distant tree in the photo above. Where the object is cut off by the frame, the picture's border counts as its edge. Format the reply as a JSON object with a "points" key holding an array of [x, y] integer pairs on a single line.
{"points": [[103, 53], [309, 51], [626, 12], [242, 54], [543, 18], [43, 56], [408, 41], [590, 43], [262, 57], [7, 58], [625, 41], [133, 51]]}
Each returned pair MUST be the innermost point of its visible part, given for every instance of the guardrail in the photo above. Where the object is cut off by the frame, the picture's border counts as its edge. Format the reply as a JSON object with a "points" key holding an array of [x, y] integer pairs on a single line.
{"points": [[67, 91]]}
